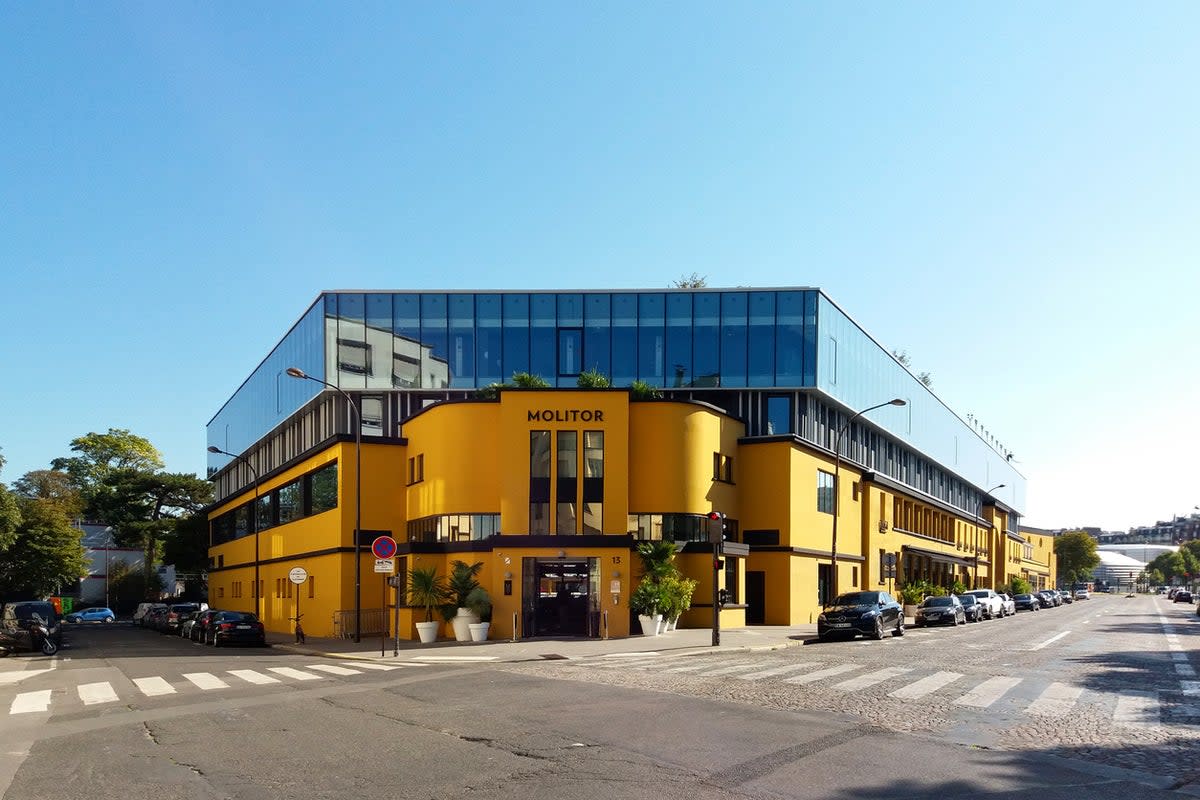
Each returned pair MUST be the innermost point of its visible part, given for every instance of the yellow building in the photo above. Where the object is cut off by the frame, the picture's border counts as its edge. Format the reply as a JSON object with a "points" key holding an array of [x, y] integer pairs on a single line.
{"points": [[551, 490], [1038, 564]]}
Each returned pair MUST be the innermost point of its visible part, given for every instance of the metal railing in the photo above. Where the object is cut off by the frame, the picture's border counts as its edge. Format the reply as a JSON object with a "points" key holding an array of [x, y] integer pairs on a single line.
{"points": [[374, 623]]}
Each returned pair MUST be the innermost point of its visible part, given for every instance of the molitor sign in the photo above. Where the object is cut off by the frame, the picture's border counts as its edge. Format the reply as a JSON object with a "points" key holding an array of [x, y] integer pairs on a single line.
{"points": [[567, 415]]}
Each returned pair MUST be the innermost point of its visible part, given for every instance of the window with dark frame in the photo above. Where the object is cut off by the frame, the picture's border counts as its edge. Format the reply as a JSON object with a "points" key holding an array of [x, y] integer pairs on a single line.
{"points": [[824, 491]]}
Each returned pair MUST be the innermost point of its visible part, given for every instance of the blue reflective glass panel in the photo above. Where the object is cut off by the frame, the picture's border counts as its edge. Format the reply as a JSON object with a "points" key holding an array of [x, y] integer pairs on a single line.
{"points": [[543, 343], [810, 339], [706, 345], [679, 340], [570, 310], [789, 339], [488, 340], [379, 340], [651, 338], [733, 339], [406, 346], [761, 351], [570, 341], [516, 334], [597, 333], [462, 340], [624, 339], [779, 415], [435, 362], [353, 356]]}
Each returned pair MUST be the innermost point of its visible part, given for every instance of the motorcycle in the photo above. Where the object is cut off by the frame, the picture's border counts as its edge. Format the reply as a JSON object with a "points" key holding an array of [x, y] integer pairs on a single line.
{"points": [[39, 639]]}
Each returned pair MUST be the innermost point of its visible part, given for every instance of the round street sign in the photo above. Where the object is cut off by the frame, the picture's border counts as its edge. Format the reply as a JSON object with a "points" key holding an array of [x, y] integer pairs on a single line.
{"points": [[298, 575], [383, 547]]}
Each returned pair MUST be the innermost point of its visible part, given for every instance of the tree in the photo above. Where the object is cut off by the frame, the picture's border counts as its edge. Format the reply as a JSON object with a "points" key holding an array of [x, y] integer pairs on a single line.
{"points": [[53, 485], [145, 507], [906, 361], [1077, 556], [46, 554], [186, 546], [693, 281], [10, 516], [101, 458]]}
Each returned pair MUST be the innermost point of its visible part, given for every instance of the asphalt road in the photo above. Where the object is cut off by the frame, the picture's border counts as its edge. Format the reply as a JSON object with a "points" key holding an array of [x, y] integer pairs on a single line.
{"points": [[130, 714]]}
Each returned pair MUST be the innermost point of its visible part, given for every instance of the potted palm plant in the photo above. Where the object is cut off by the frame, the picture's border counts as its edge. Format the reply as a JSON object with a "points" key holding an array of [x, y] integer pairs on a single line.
{"points": [[456, 611], [646, 602], [677, 598], [649, 599], [480, 604], [427, 590]]}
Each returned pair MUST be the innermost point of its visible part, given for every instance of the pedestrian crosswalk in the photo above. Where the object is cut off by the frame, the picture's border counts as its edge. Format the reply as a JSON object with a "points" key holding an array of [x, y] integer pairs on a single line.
{"points": [[100, 693], [1036, 696]]}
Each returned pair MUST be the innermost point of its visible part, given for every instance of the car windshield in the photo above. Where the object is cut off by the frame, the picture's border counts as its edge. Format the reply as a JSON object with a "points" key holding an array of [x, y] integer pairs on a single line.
{"points": [[934, 602], [969, 599], [44, 611], [1024, 596], [185, 607], [857, 599], [238, 616]]}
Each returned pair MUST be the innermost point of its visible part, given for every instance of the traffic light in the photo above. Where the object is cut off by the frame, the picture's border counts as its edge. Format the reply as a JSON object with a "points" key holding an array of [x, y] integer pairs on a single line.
{"points": [[716, 527]]}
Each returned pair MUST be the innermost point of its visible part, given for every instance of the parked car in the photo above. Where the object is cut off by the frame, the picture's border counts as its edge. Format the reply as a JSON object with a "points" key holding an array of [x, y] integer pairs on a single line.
{"points": [[972, 608], [1065, 595], [868, 613], [940, 611], [1082, 594], [16, 617], [185, 626], [1010, 607], [229, 627], [1027, 602], [1183, 596], [199, 629], [94, 614], [1045, 599], [993, 606], [153, 618], [175, 615], [139, 615]]}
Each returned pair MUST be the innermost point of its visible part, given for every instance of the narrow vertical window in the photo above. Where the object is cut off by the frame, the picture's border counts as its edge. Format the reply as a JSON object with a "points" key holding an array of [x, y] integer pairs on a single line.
{"points": [[539, 482], [825, 492], [567, 488], [593, 481]]}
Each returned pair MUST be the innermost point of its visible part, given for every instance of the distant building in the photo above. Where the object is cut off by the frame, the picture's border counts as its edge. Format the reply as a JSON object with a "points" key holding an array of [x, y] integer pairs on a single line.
{"points": [[102, 558]]}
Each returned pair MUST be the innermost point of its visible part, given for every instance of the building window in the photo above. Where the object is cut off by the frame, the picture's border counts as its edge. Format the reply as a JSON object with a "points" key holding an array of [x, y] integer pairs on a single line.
{"points": [[593, 481], [779, 415], [312, 583], [322, 489], [453, 528], [354, 357], [539, 482], [722, 468], [566, 493], [824, 491], [416, 469], [731, 582], [291, 502]]}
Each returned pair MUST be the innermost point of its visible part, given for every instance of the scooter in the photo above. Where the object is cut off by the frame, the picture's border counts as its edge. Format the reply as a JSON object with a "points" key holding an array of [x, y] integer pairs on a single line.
{"points": [[39, 639]]}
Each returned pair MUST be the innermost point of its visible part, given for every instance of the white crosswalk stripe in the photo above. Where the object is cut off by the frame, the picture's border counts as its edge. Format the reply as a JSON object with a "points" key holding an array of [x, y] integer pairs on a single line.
{"points": [[1185, 670], [871, 678], [385, 667], [95, 693], [206, 680], [987, 692], [1138, 709], [30, 702], [289, 672], [333, 669], [926, 685], [250, 676], [1190, 688], [820, 674], [729, 670], [688, 668], [770, 673], [153, 687], [1056, 700]]}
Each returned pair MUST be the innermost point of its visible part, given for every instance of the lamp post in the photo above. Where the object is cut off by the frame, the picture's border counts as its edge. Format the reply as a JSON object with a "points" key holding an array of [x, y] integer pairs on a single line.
{"points": [[296, 372], [979, 516], [837, 489], [252, 521]]}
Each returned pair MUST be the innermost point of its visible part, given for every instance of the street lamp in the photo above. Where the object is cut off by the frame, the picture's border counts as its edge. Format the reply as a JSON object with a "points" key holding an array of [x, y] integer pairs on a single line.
{"points": [[296, 372], [837, 489], [978, 517], [252, 521]]}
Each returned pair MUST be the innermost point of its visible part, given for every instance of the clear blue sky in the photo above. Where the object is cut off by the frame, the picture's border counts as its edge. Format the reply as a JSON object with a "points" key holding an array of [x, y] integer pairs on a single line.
{"points": [[1008, 192]]}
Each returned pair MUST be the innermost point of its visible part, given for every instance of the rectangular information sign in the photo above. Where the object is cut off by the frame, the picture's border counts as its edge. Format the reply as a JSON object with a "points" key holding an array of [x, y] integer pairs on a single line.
{"points": [[387, 565]]}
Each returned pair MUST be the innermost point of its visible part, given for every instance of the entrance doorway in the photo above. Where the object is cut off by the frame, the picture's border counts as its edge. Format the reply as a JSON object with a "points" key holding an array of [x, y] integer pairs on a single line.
{"points": [[756, 598], [561, 598]]}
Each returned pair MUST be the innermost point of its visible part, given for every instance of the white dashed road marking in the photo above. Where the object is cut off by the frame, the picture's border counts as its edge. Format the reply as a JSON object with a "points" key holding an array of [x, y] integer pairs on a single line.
{"points": [[828, 672], [987, 692], [206, 680], [1138, 709], [95, 693], [250, 676], [926, 685], [1049, 641], [288, 672], [152, 687], [871, 678], [767, 673], [333, 669], [1056, 700], [30, 702]]}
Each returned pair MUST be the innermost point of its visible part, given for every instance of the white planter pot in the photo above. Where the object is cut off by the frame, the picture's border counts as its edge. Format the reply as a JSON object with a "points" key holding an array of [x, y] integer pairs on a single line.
{"points": [[670, 624], [479, 631], [651, 626], [428, 631], [910, 611], [462, 622]]}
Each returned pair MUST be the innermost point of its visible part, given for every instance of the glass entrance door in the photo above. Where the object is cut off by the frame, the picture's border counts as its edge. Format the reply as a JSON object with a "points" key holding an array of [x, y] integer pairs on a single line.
{"points": [[558, 598]]}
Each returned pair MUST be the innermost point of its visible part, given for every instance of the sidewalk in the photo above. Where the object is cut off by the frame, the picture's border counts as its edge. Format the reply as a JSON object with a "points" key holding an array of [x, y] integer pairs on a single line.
{"points": [[680, 642]]}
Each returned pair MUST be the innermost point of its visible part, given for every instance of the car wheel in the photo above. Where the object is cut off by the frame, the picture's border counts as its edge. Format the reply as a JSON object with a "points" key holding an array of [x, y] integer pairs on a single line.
{"points": [[899, 626], [878, 628], [108, 619]]}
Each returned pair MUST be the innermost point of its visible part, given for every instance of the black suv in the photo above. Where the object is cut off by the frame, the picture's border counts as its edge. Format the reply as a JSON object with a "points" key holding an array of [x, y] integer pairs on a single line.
{"points": [[869, 613], [15, 619]]}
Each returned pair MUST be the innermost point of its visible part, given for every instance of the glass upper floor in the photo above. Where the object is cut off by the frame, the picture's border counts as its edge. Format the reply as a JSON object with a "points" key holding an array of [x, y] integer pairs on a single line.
{"points": [[691, 340]]}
